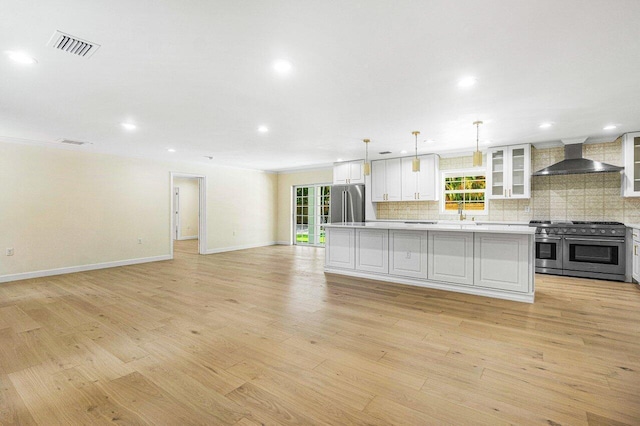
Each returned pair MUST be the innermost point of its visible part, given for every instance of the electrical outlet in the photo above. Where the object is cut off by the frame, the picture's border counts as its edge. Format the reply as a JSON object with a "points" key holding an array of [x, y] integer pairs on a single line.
{"points": [[139, 240], [527, 209], [10, 252], [408, 255]]}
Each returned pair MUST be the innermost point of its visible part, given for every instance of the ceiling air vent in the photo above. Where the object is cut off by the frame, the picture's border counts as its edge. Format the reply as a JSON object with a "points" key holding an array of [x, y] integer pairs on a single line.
{"points": [[72, 142], [72, 44], [384, 152]]}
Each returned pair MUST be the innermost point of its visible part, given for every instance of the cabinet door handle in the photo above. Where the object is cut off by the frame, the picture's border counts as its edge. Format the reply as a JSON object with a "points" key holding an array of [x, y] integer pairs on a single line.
{"points": [[509, 193], [635, 249], [418, 195], [505, 192]]}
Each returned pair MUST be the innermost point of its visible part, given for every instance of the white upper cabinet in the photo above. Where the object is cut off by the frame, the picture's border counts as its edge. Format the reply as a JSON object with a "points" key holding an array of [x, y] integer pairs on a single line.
{"points": [[422, 185], [509, 172], [631, 150], [350, 172], [386, 180]]}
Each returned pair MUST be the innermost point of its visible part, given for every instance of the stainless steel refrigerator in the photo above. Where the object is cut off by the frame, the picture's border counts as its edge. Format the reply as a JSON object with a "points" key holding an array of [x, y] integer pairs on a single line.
{"points": [[347, 203]]}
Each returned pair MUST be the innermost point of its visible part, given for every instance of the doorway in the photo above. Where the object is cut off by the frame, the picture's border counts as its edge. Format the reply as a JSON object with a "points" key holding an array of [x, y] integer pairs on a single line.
{"points": [[311, 212], [188, 214]]}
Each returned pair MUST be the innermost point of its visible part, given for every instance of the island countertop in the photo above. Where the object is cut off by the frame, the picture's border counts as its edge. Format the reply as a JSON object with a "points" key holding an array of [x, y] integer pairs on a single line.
{"points": [[439, 226]]}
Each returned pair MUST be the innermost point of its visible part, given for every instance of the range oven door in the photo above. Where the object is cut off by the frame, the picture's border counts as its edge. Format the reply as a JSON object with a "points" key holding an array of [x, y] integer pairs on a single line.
{"points": [[600, 256], [548, 254]]}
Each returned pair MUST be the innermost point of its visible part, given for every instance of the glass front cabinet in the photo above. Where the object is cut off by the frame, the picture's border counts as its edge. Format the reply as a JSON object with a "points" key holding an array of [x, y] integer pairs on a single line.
{"points": [[509, 172], [631, 150]]}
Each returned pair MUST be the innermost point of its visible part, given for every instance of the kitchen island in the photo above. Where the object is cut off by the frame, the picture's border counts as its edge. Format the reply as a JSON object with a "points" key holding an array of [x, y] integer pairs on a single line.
{"points": [[488, 260]]}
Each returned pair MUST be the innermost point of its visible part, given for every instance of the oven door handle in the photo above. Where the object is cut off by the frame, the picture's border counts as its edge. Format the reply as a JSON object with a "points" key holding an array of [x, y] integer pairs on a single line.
{"points": [[596, 240], [548, 238]]}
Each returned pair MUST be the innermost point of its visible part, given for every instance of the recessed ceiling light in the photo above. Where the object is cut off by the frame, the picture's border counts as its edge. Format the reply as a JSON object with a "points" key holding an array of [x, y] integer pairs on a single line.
{"points": [[263, 129], [467, 82], [171, 150], [609, 127], [21, 57], [129, 126], [486, 142], [282, 66], [404, 151], [545, 125], [339, 159], [429, 141]]}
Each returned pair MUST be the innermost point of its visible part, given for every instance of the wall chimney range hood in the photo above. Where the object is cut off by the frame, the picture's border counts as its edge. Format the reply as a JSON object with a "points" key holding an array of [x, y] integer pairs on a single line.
{"points": [[574, 164]]}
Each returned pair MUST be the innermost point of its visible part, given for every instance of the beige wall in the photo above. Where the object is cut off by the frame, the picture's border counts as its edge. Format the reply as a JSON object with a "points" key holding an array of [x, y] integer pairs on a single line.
{"points": [[286, 182], [572, 197], [64, 209], [188, 206]]}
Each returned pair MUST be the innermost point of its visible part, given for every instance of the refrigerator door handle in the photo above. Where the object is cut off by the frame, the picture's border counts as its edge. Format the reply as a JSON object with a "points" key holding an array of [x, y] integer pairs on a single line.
{"points": [[344, 206], [352, 217]]}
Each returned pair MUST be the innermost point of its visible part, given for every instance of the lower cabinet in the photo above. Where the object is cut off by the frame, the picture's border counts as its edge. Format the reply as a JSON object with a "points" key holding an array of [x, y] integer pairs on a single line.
{"points": [[408, 253], [340, 248], [502, 261], [489, 264], [372, 250], [450, 257]]}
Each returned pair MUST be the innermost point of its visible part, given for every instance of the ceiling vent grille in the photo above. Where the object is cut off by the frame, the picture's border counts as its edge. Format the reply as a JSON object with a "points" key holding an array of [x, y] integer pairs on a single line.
{"points": [[384, 152], [72, 44], [72, 142]]}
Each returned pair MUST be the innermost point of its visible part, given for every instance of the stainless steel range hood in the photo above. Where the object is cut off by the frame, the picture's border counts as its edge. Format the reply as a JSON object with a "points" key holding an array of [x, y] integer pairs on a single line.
{"points": [[574, 164]]}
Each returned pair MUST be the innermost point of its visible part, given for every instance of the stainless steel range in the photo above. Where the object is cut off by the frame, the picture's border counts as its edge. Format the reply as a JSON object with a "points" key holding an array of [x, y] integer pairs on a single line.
{"points": [[581, 249]]}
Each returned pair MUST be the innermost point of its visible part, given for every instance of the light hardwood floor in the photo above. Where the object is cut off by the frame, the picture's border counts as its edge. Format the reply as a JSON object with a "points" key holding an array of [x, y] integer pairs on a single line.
{"points": [[262, 336]]}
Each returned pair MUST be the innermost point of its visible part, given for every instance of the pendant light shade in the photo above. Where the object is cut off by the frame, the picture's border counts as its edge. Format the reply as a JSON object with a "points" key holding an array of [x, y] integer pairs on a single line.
{"points": [[415, 164], [367, 166], [477, 155]]}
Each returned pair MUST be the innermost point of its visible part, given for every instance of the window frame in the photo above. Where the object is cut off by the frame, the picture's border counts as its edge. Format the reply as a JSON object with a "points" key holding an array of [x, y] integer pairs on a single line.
{"points": [[464, 173]]}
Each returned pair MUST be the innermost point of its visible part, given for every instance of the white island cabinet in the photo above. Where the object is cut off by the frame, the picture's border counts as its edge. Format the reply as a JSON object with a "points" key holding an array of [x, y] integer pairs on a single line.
{"points": [[487, 260], [451, 257], [340, 248], [408, 253], [372, 252]]}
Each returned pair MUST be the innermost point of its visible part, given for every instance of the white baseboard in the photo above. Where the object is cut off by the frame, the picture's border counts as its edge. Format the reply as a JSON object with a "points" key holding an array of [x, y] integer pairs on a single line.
{"points": [[283, 243], [81, 268], [244, 247], [193, 237]]}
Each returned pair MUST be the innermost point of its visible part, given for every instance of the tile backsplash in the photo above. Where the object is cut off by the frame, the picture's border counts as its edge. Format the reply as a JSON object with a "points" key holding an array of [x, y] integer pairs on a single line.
{"points": [[571, 197]]}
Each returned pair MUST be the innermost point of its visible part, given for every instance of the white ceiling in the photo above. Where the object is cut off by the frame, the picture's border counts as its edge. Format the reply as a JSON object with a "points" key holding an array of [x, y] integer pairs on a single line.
{"points": [[197, 76]]}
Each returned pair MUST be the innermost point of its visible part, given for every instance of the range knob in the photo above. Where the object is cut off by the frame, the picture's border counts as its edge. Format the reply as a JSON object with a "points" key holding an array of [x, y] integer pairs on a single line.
{"points": [[583, 230], [573, 230], [565, 230], [593, 231], [613, 231], [602, 231]]}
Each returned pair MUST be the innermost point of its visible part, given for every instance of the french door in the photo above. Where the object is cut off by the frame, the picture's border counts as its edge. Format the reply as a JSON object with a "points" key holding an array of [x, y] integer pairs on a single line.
{"points": [[311, 212]]}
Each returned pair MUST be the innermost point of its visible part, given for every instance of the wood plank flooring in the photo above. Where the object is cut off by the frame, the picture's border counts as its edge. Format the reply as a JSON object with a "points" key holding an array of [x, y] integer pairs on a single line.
{"points": [[262, 336]]}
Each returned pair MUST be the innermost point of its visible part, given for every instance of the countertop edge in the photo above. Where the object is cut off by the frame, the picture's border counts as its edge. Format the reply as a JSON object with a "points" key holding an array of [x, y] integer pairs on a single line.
{"points": [[498, 229]]}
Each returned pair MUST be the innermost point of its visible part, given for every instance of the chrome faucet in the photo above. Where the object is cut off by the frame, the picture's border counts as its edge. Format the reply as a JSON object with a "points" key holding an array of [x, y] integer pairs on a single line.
{"points": [[461, 216]]}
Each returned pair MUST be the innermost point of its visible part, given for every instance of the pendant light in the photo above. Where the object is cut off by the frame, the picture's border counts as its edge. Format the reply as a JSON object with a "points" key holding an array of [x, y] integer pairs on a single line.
{"points": [[367, 165], [477, 156], [415, 164]]}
